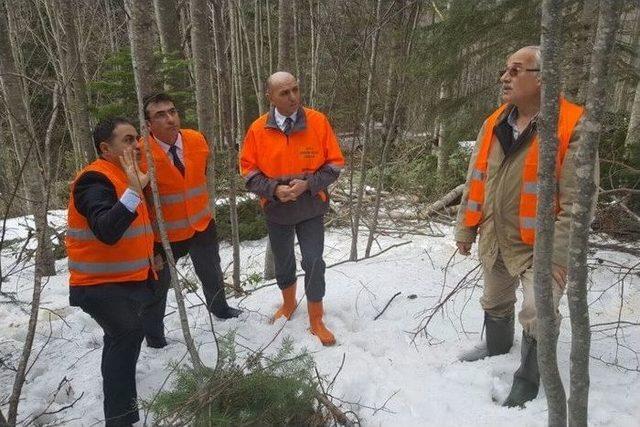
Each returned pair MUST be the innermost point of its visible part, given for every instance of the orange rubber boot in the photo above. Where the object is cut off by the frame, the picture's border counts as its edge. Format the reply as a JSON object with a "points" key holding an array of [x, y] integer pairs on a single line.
{"points": [[289, 303], [317, 326]]}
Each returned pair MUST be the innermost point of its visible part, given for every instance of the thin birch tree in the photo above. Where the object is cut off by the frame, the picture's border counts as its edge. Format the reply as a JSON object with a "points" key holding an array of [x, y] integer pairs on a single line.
{"points": [[366, 134], [586, 160], [547, 338], [142, 50]]}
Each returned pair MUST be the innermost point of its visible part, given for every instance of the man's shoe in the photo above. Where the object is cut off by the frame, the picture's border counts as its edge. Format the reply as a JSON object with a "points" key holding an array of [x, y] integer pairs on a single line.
{"points": [[526, 380], [156, 342], [226, 313], [499, 339]]}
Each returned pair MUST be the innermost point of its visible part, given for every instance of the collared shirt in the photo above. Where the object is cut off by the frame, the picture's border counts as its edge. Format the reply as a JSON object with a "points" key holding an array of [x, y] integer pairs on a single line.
{"points": [[512, 120], [165, 147], [280, 118]]}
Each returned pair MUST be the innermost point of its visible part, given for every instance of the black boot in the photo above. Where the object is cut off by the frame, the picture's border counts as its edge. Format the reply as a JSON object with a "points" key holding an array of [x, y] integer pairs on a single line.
{"points": [[499, 339], [526, 380]]}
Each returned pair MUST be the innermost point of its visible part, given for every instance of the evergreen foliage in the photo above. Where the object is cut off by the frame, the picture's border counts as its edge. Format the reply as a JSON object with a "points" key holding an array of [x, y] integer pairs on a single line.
{"points": [[258, 391]]}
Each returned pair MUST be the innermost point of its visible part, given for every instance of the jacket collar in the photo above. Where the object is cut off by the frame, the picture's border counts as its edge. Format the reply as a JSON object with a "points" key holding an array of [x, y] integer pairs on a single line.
{"points": [[299, 125]]}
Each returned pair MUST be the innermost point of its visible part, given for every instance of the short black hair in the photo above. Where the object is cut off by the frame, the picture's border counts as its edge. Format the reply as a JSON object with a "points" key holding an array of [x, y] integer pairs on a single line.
{"points": [[155, 98], [103, 132]]}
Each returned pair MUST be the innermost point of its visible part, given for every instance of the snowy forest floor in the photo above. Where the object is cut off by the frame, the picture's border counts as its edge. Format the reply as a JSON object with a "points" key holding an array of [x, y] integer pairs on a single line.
{"points": [[394, 378]]}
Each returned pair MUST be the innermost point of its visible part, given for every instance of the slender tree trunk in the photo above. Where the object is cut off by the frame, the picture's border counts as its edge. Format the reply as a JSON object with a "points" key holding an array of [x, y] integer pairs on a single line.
{"points": [[75, 86], [24, 138], [367, 134], [200, 46], [284, 35], [545, 216], [632, 141], [582, 213], [577, 67], [168, 20], [269, 37], [443, 150], [141, 50], [237, 102], [395, 85], [313, 54], [141, 24]]}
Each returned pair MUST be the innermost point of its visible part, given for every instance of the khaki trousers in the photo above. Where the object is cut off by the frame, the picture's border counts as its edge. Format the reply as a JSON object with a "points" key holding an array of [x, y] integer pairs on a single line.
{"points": [[499, 296]]}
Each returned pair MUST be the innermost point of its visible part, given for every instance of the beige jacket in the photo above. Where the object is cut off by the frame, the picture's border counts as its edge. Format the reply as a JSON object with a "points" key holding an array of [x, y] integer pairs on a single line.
{"points": [[499, 230]]}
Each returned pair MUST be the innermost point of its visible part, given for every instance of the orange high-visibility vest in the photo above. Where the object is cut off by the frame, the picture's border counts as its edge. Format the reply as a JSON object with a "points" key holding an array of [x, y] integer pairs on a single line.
{"points": [[278, 156], [184, 200], [568, 118], [92, 262]]}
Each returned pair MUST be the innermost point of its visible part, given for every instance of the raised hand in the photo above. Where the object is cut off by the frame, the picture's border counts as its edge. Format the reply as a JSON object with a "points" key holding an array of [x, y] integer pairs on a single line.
{"points": [[135, 178]]}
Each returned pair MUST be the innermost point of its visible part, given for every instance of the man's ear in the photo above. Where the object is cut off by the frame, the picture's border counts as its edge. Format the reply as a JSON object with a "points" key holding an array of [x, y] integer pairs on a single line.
{"points": [[104, 147]]}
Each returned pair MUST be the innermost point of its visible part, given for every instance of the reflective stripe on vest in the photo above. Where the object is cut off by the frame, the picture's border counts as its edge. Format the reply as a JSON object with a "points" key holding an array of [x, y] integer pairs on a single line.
{"points": [[109, 267], [568, 118], [184, 200], [87, 234]]}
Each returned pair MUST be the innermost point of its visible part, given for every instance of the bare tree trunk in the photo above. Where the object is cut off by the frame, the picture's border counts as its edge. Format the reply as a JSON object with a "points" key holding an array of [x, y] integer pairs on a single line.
{"points": [[395, 85], [237, 102], [141, 50], [23, 133], [24, 139], [545, 215], [284, 35], [21, 372], [141, 23], [269, 37], [632, 141], [72, 78], [443, 149], [200, 47], [313, 48], [577, 68], [168, 20], [367, 134], [582, 213]]}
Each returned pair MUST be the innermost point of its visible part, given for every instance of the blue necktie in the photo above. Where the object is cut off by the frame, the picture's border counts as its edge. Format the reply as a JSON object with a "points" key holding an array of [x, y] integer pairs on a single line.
{"points": [[288, 125]]}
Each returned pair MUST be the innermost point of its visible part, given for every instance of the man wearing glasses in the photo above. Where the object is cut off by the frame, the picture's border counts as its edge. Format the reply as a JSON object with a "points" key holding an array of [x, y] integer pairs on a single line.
{"points": [[180, 157], [499, 205]]}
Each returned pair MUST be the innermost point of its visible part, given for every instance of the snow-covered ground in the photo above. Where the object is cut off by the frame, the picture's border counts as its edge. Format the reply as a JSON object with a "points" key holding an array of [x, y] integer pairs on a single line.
{"points": [[405, 382]]}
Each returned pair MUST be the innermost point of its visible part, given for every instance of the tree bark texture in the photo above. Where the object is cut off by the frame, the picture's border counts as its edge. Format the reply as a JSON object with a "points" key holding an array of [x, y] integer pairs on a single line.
{"points": [[545, 215], [582, 213], [285, 38], [366, 134], [24, 139], [141, 30], [141, 47]]}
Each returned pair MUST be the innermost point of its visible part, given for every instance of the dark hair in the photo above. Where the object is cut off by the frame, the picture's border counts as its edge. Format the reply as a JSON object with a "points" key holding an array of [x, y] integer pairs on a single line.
{"points": [[154, 98], [103, 132]]}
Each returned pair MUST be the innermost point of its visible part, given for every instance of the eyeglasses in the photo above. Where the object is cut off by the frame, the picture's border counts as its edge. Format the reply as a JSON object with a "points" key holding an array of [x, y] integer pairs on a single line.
{"points": [[514, 71]]}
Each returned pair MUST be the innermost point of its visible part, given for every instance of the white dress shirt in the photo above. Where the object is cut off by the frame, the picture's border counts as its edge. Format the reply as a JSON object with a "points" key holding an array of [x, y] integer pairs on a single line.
{"points": [[280, 118], [180, 150]]}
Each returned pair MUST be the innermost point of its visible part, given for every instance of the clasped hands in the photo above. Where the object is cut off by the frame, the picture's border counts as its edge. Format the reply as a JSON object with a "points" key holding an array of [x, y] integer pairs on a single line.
{"points": [[289, 193]]}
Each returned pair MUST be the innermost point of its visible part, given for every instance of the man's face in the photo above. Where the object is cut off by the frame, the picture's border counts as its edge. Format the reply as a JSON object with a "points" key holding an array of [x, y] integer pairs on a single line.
{"points": [[520, 84], [123, 136], [284, 94], [164, 121]]}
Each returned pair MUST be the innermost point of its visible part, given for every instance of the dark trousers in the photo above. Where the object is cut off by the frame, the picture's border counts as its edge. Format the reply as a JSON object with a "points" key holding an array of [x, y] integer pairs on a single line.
{"points": [[118, 310], [204, 252], [311, 238]]}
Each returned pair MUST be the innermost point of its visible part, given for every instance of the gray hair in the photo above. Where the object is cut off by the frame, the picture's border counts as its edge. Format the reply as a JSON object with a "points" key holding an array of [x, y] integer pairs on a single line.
{"points": [[537, 54]]}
